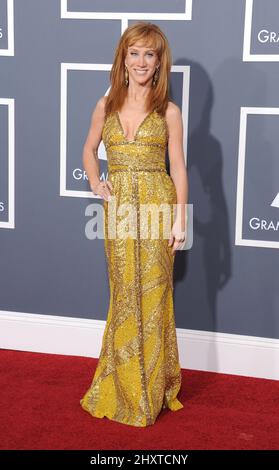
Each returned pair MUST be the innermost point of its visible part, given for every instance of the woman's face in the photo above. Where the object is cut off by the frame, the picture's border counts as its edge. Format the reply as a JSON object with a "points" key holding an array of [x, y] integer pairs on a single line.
{"points": [[141, 62]]}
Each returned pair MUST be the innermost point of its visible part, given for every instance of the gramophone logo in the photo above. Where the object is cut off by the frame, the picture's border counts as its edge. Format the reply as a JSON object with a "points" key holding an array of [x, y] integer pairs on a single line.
{"points": [[261, 35], [257, 202], [275, 202], [266, 225]]}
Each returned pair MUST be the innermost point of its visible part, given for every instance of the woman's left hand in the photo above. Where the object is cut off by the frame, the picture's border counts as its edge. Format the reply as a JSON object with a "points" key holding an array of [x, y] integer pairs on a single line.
{"points": [[177, 235]]}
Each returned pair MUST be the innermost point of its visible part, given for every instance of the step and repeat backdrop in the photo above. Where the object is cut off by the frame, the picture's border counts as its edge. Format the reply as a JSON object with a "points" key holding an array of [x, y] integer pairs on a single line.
{"points": [[55, 58]]}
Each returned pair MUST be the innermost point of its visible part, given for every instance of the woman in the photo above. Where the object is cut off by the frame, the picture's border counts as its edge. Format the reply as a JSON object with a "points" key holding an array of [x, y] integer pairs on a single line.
{"points": [[138, 372]]}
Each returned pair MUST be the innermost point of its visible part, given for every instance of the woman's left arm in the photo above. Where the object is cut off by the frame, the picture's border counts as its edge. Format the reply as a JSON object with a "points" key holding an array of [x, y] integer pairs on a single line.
{"points": [[178, 172]]}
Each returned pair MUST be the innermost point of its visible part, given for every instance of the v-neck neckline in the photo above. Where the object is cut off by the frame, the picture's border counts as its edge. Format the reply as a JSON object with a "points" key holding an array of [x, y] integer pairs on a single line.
{"points": [[137, 130]]}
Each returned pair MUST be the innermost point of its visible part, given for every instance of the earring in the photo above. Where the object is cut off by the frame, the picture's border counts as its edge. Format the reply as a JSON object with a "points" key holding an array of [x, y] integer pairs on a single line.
{"points": [[126, 76], [155, 76]]}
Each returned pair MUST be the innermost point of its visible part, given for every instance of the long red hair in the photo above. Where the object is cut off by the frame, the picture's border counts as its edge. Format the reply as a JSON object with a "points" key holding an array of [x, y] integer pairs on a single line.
{"points": [[151, 36]]}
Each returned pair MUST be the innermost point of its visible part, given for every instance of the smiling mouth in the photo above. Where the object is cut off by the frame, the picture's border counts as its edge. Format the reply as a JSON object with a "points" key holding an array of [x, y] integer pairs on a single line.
{"points": [[140, 72]]}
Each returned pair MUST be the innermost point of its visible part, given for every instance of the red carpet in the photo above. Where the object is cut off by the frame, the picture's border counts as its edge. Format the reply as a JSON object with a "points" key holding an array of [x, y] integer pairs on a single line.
{"points": [[40, 409]]}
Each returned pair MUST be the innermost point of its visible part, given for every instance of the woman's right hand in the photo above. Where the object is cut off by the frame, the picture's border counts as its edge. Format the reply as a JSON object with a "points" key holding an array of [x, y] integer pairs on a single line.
{"points": [[103, 189]]}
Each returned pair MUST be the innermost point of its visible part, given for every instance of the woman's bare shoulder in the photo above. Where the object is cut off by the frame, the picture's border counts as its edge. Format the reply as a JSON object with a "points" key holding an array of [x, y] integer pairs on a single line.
{"points": [[172, 109], [173, 114], [101, 104]]}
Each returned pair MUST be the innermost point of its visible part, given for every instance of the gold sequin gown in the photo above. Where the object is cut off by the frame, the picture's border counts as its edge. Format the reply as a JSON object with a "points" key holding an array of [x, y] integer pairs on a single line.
{"points": [[138, 372]]}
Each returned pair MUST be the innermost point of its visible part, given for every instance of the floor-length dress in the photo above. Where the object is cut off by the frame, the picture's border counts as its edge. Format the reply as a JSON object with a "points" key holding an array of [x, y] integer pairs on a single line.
{"points": [[138, 372]]}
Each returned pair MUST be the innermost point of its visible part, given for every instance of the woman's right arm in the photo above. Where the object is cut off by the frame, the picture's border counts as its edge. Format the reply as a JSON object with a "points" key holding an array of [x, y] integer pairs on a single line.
{"points": [[90, 151]]}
